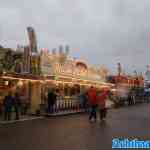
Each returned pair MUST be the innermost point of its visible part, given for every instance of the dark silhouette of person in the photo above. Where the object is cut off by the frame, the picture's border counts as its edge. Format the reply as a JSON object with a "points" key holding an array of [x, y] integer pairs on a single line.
{"points": [[8, 103], [17, 105], [51, 100]]}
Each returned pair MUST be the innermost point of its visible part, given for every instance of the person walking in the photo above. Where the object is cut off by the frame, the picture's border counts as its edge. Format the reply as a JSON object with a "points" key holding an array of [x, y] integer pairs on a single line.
{"points": [[8, 103], [102, 97], [51, 100], [17, 105], [92, 101]]}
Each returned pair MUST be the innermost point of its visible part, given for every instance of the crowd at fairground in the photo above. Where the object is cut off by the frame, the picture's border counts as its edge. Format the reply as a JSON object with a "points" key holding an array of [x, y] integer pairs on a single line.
{"points": [[92, 100]]}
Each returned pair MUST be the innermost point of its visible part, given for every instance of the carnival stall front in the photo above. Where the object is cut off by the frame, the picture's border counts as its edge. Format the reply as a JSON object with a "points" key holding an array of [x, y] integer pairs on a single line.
{"points": [[69, 77]]}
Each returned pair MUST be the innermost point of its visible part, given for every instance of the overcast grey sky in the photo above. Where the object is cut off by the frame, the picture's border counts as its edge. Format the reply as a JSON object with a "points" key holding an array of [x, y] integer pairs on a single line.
{"points": [[100, 31]]}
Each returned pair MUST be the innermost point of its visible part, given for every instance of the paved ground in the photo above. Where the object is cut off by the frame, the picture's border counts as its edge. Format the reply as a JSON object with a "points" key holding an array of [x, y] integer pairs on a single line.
{"points": [[21, 119], [75, 132]]}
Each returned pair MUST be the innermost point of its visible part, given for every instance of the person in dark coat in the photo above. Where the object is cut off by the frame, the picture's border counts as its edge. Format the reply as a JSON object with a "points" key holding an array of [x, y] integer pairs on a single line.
{"points": [[8, 103], [51, 100], [17, 105]]}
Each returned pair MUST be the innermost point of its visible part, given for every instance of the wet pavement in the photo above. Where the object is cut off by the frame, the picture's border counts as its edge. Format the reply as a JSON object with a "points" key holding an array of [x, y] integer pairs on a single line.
{"points": [[74, 132]]}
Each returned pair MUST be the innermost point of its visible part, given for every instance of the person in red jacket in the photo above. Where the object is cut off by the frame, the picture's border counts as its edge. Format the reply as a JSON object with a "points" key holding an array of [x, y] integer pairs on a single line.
{"points": [[102, 97], [92, 101]]}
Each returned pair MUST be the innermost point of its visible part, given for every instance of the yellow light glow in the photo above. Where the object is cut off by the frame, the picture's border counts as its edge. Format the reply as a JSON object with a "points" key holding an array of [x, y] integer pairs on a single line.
{"points": [[90, 82], [6, 82], [20, 83], [14, 78]]}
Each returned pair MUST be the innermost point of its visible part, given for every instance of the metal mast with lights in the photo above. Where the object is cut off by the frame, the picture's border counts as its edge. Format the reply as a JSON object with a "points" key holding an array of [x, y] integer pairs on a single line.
{"points": [[35, 57]]}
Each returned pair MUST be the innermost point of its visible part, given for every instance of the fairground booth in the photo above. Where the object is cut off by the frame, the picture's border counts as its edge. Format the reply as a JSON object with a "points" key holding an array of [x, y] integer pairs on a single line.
{"points": [[69, 77]]}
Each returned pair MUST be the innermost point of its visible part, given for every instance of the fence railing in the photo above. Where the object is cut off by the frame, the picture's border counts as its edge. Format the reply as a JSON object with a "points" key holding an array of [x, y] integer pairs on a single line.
{"points": [[66, 105], [75, 105]]}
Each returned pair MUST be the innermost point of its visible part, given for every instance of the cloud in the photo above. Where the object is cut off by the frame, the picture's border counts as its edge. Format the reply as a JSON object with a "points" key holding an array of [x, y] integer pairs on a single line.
{"points": [[103, 31]]}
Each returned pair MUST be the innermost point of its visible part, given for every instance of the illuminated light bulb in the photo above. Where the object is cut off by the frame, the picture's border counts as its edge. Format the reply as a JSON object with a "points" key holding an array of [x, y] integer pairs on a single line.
{"points": [[6, 82], [20, 83]]}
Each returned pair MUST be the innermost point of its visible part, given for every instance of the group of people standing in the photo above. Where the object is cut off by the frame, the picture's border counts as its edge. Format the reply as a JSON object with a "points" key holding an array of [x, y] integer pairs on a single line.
{"points": [[11, 103], [97, 99], [92, 99]]}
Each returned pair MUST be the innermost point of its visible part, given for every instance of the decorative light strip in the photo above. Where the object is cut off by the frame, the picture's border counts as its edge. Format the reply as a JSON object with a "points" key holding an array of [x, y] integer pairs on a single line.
{"points": [[55, 81], [22, 79]]}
